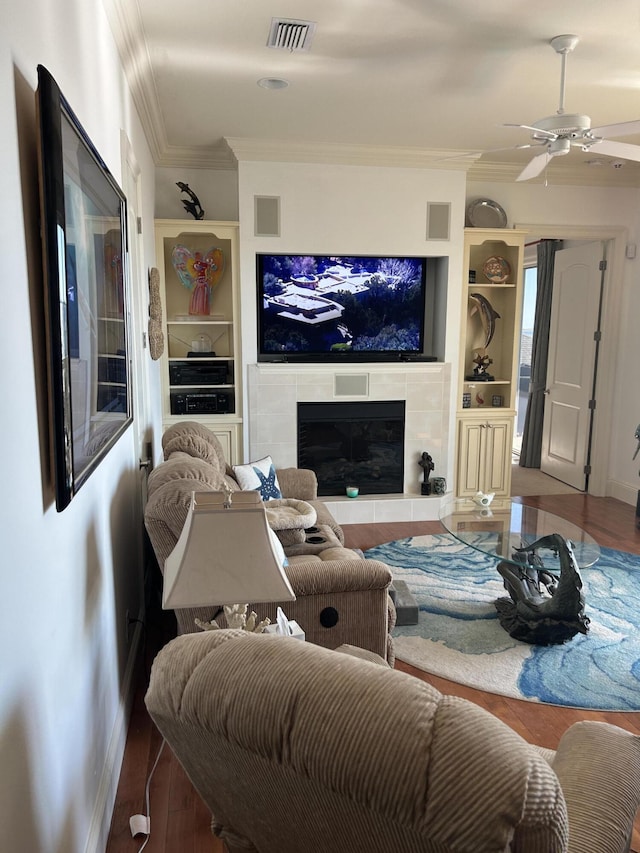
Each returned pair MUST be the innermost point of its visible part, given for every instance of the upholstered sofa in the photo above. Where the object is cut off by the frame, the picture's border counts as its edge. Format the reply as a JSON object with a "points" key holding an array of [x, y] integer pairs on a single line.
{"points": [[340, 597], [299, 749]]}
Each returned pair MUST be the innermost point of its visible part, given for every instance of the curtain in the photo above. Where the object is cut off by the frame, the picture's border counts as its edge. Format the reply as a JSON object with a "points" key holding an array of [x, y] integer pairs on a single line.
{"points": [[531, 450]]}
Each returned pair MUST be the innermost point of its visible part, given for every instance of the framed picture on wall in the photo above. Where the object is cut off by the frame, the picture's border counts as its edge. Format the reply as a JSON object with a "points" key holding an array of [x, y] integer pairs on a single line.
{"points": [[84, 251]]}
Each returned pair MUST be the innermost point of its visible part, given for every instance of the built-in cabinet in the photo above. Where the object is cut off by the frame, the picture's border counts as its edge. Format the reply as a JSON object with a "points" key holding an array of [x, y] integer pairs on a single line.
{"points": [[484, 455], [201, 364], [489, 358]]}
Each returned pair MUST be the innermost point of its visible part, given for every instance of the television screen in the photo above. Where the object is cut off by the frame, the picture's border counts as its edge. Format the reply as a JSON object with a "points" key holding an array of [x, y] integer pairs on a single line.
{"points": [[314, 307]]}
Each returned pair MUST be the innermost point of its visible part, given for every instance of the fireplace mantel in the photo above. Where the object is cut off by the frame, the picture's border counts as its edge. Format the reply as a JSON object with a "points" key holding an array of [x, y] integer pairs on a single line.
{"points": [[274, 390]]}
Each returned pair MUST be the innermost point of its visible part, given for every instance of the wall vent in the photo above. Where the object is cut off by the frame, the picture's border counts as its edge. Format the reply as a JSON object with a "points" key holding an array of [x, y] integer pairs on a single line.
{"points": [[289, 34]]}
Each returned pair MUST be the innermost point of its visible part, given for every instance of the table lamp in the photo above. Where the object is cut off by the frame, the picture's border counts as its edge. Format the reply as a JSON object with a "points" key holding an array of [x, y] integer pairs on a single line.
{"points": [[226, 554]]}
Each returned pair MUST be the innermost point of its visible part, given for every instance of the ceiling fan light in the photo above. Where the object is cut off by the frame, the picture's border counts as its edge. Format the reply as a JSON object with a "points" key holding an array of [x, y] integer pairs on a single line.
{"points": [[559, 147]]}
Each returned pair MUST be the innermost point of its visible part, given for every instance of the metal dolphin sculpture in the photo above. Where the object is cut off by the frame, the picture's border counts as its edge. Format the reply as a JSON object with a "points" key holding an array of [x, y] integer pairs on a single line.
{"points": [[543, 609], [488, 315], [193, 207]]}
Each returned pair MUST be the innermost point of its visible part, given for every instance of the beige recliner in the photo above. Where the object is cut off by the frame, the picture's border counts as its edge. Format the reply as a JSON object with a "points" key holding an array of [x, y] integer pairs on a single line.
{"points": [[340, 597], [297, 749]]}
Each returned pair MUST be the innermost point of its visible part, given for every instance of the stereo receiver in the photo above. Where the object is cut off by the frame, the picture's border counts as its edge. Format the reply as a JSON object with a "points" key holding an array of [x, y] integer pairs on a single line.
{"points": [[201, 403], [202, 373]]}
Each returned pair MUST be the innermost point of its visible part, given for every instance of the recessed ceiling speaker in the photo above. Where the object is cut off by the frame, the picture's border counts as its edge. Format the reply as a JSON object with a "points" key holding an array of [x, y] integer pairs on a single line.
{"points": [[266, 215], [438, 220]]}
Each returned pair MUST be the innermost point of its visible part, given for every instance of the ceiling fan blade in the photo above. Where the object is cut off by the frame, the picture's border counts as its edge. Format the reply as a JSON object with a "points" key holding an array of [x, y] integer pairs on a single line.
{"points": [[478, 153], [534, 167], [617, 149], [514, 147], [546, 134], [625, 128]]}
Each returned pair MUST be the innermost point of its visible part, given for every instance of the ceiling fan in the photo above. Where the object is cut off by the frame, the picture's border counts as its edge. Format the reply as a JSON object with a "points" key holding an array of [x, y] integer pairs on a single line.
{"points": [[557, 134]]}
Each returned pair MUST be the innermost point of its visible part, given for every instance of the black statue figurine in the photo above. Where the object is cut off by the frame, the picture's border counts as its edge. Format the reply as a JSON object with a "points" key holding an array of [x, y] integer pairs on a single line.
{"points": [[193, 207], [426, 463], [542, 609]]}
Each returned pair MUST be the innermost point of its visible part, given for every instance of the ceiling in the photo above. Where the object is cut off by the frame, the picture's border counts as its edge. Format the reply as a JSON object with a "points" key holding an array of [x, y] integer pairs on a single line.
{"points": [[415, 82]]}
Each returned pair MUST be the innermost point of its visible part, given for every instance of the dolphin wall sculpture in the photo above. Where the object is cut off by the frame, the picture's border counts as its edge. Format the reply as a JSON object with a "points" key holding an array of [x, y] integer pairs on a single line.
{"points": [[488, 315], [193, 206]]}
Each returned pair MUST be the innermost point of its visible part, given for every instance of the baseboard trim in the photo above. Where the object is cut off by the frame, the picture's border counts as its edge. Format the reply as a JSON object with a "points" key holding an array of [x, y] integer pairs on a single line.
{"points": [[622, 492], [105, 800]]}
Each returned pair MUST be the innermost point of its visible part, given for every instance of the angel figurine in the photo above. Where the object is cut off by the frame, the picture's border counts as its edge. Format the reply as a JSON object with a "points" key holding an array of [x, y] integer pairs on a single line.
{"points": [[199, 273]]}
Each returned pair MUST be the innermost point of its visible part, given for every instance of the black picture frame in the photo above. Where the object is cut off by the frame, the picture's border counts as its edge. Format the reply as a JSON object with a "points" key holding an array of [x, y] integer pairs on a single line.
{"points": [[84, 246]]}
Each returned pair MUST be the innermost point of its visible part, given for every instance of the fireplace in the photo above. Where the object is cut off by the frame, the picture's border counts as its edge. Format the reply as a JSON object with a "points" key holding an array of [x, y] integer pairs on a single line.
{"points": [[353, 443]]}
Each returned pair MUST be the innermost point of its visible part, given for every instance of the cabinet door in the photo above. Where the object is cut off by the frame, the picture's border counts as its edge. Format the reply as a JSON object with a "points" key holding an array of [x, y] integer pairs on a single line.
{"points": [[228, 434], [228, 438], [484, 456], [497, 457], [470, 457]]}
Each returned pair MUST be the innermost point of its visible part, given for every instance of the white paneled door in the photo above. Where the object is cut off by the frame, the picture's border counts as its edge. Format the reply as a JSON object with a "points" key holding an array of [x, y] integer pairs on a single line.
{"points": [[569, 402]]}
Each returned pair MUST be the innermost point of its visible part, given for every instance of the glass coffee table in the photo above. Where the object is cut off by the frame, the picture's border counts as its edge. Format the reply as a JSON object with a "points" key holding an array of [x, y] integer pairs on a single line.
{"points": [[504, 526], [539, 556]]}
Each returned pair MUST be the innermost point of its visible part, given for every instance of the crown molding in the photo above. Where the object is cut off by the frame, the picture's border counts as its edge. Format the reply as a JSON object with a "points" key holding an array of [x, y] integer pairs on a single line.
{"points": [[198, 157], [559, 174], [346, 154], [128, 31], [126, 25]]}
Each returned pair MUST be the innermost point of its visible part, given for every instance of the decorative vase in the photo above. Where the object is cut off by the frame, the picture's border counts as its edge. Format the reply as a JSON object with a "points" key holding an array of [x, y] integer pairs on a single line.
{"points": [[483, 499], [439, 485]]}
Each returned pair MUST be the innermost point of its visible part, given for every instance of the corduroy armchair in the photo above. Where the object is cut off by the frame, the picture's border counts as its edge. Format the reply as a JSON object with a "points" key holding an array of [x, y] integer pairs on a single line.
{"points": [[296, 749], [340, 597]]}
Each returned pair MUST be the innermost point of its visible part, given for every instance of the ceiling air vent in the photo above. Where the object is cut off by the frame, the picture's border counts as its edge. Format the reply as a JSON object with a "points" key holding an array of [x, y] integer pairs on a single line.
{"points": [[289, 34]]}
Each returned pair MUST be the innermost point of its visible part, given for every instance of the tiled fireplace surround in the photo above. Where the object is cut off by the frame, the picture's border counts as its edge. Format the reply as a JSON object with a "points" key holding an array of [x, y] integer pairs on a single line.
{"points": [[276, 389]]}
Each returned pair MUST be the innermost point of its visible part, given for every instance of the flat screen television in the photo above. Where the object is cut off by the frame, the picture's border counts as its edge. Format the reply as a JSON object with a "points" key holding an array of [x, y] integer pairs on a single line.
{"points": [[83, 213], [341, 308]]}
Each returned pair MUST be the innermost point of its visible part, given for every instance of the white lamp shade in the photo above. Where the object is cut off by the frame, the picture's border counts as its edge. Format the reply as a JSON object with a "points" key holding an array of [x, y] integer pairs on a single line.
{"points": [[226, 554]]}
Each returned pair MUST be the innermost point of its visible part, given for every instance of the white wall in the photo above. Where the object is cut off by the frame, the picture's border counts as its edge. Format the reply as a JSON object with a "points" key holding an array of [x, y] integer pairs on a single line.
{"points": [[67, 578], [350, 210], [606, 208], [368, 209], [216, 189]]}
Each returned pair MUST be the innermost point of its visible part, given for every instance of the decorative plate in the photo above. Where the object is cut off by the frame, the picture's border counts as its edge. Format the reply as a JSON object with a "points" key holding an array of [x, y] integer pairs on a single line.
{"points": [[485, 213], [496, 269]]}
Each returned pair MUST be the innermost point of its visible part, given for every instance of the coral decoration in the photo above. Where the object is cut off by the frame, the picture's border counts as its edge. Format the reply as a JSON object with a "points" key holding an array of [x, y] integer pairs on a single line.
{"points": [[156, 335], [236, 616], [199, 273]]}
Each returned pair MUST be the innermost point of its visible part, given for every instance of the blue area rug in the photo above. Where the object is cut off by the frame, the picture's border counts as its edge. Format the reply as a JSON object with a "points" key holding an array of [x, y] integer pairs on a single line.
{"points": [[460, 638]]}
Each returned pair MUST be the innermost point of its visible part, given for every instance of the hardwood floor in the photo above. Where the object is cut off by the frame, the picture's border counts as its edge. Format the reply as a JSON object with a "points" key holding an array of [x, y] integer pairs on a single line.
{"points": [[180, 822]]}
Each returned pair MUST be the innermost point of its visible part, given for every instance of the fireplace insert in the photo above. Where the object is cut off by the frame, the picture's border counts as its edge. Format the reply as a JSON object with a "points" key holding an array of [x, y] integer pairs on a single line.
{"points": [[353, 444]]}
